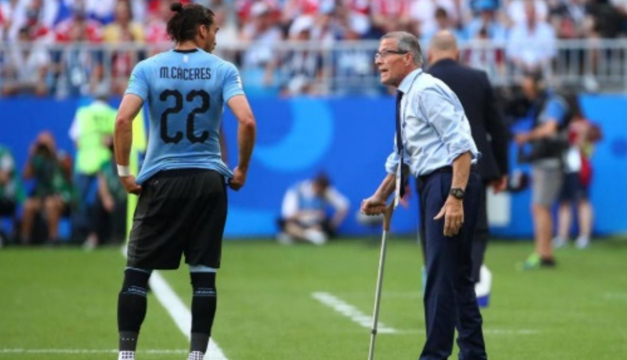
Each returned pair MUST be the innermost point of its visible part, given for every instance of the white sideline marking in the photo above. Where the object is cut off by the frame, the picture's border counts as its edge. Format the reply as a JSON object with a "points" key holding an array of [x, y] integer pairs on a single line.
{"points": [[363, 320], [485, 332], [351, 312], [178, 311], [87, 351]]}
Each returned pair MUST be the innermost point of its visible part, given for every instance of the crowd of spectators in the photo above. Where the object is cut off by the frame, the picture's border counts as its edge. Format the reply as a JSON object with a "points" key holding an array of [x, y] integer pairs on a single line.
{"points": [[527, 29]]}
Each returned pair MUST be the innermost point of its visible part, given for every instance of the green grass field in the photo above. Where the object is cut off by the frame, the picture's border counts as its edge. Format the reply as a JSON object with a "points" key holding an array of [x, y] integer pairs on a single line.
{"points": [[65, 299]]}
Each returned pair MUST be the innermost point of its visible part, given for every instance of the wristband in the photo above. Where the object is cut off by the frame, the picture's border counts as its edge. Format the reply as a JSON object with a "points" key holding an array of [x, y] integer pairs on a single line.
{"points": [[124, 170]]}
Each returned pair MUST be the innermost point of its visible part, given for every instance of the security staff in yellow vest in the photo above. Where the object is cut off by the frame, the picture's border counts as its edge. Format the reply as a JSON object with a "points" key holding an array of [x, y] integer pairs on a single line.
{"points": [[92, 132]]}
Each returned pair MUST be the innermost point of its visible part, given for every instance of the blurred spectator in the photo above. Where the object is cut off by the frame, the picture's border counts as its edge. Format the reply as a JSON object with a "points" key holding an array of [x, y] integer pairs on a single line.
{"points": [[260, 59], [51, 193], [156, 29], [10, 190], [352, 18], [607, 21], [551, 114], [103, 11], [442, 22], [361, 7], [483, 55], [26, 70], [423, 15], [325, 27], [295, 8], [531, 44], [37, 15], [353, 65], [245, 11], [123, 30], [78, 27], [6, 10], [109, 210], [518, 12], [302, 66], [390, 15], [488, 22], [92, 132], [80, 68], [570, 20], [578, 176], [304, 214]]}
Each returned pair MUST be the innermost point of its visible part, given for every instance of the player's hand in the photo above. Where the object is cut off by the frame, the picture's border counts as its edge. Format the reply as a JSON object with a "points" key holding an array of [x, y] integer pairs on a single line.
{"points": [[499, 185], [453, 214], [130, 185], [238, 180], [373, 206]]}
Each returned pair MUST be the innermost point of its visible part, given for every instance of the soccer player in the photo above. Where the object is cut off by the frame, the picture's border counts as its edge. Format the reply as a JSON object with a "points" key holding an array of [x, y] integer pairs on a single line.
{"points": [[182, 184]]}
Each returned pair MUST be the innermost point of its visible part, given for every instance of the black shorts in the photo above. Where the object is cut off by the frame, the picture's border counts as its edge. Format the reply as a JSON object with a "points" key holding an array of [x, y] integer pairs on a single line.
{"points": [[573, 189], [179, 211]]}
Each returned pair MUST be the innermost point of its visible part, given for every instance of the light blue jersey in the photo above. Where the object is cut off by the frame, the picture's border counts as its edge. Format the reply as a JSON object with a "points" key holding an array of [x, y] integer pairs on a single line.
{"points": [[186, 92]]}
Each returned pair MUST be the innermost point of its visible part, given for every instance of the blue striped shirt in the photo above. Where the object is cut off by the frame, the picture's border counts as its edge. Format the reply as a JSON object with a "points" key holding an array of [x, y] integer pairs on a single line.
{"points": [[434, 127]]}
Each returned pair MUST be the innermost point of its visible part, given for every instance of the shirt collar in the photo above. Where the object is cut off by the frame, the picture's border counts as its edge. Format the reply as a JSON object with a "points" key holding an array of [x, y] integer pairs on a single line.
{"points": [[408, 80]]}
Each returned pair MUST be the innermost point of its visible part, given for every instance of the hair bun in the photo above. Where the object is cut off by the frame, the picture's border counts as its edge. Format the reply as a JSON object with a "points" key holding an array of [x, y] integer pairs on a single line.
{"points": [[176, 7]]}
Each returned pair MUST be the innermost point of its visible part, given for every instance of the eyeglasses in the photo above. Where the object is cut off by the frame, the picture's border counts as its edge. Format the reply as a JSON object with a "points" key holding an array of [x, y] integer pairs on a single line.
{"points": [[384, 53]]}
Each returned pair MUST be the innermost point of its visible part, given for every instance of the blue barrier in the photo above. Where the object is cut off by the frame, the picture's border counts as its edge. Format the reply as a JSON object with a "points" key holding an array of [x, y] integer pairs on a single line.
{"points": [[349, 138]]}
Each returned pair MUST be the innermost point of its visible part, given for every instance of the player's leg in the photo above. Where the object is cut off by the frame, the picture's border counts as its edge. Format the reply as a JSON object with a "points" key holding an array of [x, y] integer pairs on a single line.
{"points": [[567, 197], [32, 206], [295, 230], [586, 216], [204, 304], [53, 206], [154, 243], [132, 304], [480, 240], [203, 252]]}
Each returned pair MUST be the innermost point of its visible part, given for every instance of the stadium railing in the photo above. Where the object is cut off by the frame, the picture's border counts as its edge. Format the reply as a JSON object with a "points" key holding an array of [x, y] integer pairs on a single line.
{"points": [[341, 67]]}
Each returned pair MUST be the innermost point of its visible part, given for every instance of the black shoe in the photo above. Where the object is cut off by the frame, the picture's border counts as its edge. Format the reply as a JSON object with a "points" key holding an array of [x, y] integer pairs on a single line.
{"points": [[548, 262]]}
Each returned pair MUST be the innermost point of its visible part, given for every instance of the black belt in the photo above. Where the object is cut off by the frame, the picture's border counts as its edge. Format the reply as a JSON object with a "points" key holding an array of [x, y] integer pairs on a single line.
{"points": [[444, 169]]}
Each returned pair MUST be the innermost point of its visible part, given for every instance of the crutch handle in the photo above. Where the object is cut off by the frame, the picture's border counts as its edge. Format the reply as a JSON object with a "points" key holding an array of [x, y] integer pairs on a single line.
{"points": [[387, 216]]}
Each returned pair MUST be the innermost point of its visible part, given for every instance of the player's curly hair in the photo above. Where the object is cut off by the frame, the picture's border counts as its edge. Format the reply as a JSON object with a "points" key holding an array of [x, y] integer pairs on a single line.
{"points": [[184, 24]]}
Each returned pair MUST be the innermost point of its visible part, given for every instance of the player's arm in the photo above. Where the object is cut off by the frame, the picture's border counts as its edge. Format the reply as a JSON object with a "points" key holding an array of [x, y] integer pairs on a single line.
{"points": [[246, 134], [223, 148], [123, 139]]}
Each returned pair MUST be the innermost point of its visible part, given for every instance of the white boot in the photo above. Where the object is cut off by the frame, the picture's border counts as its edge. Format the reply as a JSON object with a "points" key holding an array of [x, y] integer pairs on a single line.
{"points": [[126, 355], [582, 242], [316, 237]]}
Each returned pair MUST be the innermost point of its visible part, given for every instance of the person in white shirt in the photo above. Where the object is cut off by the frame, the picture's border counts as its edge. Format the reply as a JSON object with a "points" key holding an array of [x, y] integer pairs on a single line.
{"points": [[516, 10], [531, 44], [304, 215]]}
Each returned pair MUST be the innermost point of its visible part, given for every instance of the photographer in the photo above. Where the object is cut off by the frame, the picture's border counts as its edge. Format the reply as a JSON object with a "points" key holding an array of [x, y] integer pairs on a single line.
{"points": [[551, 114], [51, 191]]}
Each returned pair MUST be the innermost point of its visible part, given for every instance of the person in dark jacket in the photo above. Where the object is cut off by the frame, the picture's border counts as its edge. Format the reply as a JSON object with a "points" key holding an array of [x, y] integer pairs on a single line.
{"points": [[487, 125]]}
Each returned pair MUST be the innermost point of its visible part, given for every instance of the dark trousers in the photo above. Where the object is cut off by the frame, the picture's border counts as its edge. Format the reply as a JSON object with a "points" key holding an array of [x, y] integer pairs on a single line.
{"points": [[450, 301], [87, 191], [480, 242]]}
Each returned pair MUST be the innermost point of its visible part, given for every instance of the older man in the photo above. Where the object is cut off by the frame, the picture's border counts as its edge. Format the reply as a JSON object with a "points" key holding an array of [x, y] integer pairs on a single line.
{"points": [[433, 139]]}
